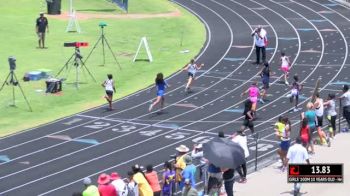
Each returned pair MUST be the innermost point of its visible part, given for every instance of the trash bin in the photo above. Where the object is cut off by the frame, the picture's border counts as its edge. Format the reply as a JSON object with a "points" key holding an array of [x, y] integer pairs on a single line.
{"points": [[53, 7]]}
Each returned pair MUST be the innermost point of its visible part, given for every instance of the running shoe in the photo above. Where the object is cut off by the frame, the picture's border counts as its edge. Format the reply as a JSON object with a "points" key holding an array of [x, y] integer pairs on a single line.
{"points": [[287, 83], [242, 180], [329, 142], [261, 101], [150, 107], [295, 109]]}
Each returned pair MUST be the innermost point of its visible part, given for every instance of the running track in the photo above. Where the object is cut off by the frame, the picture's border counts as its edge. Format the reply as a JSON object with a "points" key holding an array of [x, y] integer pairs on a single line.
{"points": [[52, 159]]}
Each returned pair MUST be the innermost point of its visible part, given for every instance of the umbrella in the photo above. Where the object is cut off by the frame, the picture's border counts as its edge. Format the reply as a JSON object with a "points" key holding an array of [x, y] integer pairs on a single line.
{"points": [[224, 153]]}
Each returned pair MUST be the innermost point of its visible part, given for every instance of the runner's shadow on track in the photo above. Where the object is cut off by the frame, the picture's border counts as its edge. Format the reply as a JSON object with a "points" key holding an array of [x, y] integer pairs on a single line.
{"points": [[292, 193], [157, 113]]}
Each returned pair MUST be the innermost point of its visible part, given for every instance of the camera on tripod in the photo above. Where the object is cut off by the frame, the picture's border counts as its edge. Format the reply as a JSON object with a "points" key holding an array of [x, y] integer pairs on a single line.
{"points": [[102, 24], [12, 63]]}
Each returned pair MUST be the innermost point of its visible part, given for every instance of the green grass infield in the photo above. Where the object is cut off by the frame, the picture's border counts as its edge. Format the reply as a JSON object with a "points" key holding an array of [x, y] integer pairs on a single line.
{"points": [[164, 35]]}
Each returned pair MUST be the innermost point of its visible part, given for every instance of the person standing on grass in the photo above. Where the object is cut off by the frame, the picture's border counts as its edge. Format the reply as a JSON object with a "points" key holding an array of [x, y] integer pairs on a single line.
{"points": [[161, 85], [261, 42], [265, 75], [191, 69], [110, 89], [346, 104], [319, 110], [331, 114], [41, 27], [285, 66], [310, 115], [297, 154], [153, 181], [241, 139], [295, 91]]}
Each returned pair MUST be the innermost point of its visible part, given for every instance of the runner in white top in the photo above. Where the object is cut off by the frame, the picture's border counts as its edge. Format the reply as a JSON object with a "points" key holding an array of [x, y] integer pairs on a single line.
{"points": [[331, 114], [285, 65], [110, 89], [319, 110], [191, 69], [345, 98]]}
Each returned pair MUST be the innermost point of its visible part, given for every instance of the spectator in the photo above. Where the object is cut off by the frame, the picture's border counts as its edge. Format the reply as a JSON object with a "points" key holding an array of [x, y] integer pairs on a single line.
{"points": [[133, 188], [197, 153], [260, 39], [215, 179], [168, 180], [153, 181], [189, 172], [144, 187], [179, 162], [305, 133], [229, 179], [311, 117], [346, 104], [42, 26], [119, 184], [319, 110], [241, 139], [90, 189], [331, 114], [297, 154], [104, 186], [189, 190]]}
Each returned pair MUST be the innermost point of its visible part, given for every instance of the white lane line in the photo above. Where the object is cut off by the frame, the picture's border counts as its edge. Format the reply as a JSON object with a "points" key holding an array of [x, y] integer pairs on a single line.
{"points": [[257, 74], [217, 63], [208, 42], [223, 19], [147, 113]]}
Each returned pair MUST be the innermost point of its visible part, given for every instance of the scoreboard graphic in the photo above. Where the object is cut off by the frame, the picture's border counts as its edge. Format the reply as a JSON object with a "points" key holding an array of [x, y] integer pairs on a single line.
{"points": [[315, 173]]}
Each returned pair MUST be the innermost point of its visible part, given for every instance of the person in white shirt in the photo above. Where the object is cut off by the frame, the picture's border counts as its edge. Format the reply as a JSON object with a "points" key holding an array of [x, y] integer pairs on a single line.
{"points": [[191, 69], [285, 66], [346, 104], [197, 154], [260, 39], [241, 139], [297, 154], [119, 184], [110, 89]]}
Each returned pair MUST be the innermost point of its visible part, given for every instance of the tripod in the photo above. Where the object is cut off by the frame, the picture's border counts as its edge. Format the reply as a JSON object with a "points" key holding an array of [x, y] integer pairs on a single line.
{"points": [[77, 62], [104, 40], [14, 82]]}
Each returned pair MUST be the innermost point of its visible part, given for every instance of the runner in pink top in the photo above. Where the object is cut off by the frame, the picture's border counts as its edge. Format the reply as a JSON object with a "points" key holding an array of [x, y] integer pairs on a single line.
{"points": [[253, 92]]}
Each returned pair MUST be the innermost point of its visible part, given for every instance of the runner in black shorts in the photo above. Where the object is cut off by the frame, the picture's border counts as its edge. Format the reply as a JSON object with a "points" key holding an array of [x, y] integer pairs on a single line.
{"points": [[248, 116], [265, 76]]}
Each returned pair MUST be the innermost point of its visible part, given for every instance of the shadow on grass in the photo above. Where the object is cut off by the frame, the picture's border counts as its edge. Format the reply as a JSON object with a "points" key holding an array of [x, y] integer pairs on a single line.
{"points": [[97, 10]]}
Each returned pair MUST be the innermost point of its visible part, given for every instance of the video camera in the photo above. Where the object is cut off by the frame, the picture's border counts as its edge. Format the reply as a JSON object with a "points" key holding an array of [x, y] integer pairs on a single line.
{"points": [[102, 24], [76, 44], [12, 63]]}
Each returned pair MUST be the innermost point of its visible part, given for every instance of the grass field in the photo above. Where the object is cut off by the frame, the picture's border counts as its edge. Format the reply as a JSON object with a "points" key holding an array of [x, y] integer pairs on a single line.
{"points": [[19, 39]]}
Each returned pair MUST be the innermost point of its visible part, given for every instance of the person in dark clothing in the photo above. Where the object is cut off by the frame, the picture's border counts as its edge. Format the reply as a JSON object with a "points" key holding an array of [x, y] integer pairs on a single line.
{"points": [[249, 116], [228, 177], [265, 76], [42, 26]]}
